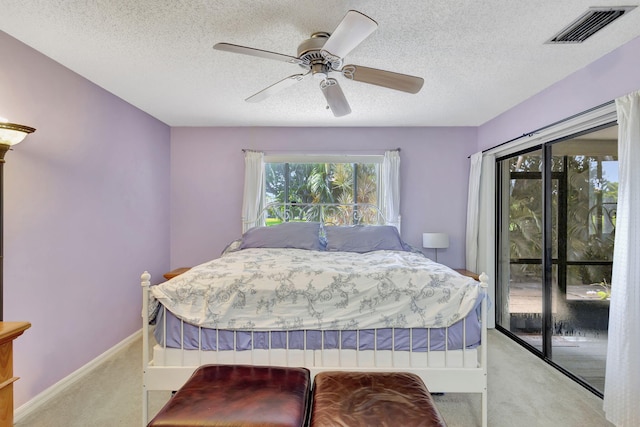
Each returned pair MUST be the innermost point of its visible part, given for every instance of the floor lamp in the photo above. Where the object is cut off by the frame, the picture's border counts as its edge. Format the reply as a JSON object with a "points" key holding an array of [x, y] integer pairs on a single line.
{"points": [[10, 135], [435, 241]]}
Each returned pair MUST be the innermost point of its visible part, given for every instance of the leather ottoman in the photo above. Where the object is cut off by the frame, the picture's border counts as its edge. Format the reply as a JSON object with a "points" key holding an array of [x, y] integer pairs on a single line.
{"points": [[372, 399], [238, 395]]}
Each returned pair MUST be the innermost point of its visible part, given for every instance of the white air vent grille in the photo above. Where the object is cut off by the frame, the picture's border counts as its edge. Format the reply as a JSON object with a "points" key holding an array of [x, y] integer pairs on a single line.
{"points": [[592, 21]]}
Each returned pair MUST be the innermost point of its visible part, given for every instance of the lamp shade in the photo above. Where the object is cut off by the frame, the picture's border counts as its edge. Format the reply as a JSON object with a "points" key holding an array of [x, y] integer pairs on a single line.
{"points": [[12, 133], [435, 240]]}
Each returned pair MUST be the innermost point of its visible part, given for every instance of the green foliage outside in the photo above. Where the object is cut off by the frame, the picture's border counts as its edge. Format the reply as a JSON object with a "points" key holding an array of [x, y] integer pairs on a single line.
{"points": [[591, 209], [312, 183]]}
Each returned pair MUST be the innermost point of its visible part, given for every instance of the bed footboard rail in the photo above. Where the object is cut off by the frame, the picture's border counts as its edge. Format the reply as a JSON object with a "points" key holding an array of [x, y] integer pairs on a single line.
{"points": [[483, 365], [145, 282]]}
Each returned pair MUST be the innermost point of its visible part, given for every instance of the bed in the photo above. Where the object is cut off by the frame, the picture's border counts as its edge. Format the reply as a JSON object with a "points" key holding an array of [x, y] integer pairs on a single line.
{"points": [[318, 293]]}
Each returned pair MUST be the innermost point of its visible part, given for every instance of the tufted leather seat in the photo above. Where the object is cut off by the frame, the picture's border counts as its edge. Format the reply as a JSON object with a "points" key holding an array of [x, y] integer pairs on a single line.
{"points": [[372, 399], [237, 395]]}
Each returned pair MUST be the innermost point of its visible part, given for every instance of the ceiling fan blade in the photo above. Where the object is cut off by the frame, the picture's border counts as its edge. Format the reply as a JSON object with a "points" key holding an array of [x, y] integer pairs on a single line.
{"points": [[276, 87], [335, 97], [352, 30], [234, 48], [383, 78]]}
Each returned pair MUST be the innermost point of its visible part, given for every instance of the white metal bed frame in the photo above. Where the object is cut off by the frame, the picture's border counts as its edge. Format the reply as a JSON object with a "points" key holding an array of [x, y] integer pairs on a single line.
{"points": [[444, 371]]}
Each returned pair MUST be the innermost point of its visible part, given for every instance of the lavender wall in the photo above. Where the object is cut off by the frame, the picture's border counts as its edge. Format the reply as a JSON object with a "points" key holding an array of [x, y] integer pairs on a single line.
{"points": [[614, 75], [207, 177], [86, 211]]}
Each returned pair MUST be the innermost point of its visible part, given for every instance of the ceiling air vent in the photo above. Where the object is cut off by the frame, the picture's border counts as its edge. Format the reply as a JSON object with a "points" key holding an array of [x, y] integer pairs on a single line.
{"points": [[589, 23]]}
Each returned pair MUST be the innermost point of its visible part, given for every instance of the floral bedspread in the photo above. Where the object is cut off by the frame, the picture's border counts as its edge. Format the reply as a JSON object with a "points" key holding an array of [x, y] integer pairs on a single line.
{"points": [[279, 289]]}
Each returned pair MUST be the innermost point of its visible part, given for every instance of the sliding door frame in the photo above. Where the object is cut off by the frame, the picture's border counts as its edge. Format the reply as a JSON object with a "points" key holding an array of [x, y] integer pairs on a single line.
{"points": [[599, 117], [547, 252], [547, 261]]}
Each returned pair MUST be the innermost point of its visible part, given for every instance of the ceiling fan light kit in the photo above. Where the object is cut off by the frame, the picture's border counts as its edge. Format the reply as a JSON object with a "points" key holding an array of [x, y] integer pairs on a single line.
{"points": [[322, 54]]}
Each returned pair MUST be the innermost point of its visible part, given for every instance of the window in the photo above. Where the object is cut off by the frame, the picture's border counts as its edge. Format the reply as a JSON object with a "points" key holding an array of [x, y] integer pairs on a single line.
{"points": [[321, 180]]}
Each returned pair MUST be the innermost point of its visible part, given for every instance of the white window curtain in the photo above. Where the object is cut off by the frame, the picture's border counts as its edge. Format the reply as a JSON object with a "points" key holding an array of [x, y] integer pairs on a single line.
{"points": [[253, 197], [622, 382], [390, 187], [473, 210], [480, 234]]}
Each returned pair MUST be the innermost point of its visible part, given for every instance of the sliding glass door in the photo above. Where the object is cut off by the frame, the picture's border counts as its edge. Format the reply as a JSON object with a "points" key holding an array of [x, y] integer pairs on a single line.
{"points": [[556, 225], [520, 293]]}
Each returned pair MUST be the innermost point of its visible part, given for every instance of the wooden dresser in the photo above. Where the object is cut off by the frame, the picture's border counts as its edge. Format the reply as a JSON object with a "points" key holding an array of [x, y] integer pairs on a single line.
{"points": [[9, 331]]}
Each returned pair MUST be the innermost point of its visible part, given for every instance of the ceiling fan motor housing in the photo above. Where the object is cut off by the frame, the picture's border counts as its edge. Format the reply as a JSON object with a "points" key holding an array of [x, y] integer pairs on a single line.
{"points": [[309, 51]]}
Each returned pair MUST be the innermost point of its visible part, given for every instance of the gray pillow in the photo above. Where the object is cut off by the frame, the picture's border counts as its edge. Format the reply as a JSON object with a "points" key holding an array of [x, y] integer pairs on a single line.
{"points": [[297, 235], [363, 238]]}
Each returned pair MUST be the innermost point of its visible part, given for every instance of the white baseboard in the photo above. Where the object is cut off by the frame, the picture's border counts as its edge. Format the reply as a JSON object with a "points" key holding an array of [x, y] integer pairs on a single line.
{"points": [[42, 398]]}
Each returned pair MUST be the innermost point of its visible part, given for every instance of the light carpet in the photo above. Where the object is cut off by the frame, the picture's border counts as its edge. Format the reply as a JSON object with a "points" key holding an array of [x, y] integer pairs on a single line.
{"points": [[523, 391]]}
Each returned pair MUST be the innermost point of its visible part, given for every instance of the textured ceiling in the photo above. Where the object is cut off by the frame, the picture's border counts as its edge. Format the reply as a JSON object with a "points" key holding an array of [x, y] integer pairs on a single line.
{"points": [[478, 58]]}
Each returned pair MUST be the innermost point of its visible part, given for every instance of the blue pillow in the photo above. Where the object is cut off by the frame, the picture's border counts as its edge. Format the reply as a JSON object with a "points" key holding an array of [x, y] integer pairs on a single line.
{"points": [[363, 238], [297, 235]]}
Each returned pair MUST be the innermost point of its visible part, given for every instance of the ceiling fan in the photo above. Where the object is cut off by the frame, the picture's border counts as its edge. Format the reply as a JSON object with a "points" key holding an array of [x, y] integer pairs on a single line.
{"points": [[323, 54]]}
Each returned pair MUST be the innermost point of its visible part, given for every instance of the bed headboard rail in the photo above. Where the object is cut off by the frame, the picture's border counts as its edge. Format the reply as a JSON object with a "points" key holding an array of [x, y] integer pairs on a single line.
{"points": [[325, 213]]}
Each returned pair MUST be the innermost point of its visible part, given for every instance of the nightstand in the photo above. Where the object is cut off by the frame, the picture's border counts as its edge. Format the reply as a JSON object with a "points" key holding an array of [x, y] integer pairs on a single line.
{"points": [[176, 272], [474, 276]]}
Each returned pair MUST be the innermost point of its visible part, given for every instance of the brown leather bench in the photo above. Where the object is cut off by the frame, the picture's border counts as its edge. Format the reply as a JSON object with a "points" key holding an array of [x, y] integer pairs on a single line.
{"points": [[372, 399], [237, 395]]}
